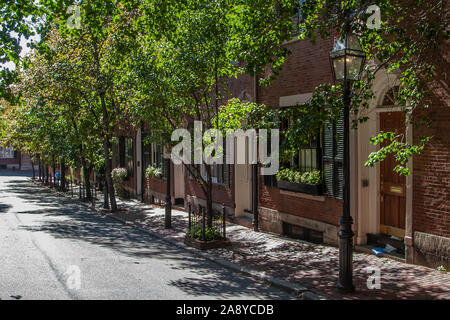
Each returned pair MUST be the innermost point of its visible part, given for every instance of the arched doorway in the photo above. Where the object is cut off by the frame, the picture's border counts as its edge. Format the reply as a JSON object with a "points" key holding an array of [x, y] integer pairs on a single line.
{"points": [[383, 200], [392, 186]]}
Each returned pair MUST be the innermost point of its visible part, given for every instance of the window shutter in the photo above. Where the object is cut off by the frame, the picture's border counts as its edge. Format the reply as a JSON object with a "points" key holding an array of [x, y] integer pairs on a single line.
{"points": [[333, 150], [339, 159]]}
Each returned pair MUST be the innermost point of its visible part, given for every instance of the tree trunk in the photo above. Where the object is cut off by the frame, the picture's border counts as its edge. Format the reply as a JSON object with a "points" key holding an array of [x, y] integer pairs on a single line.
{"points": [[54, 172], [87, 182], [40, 168], [32, 168], [62, 175], [108, 178], [105, 195], [46, 175]]}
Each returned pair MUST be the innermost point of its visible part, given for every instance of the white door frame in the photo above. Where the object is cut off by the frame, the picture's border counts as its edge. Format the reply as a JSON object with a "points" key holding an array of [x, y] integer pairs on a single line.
{"points": [[366, 181]]}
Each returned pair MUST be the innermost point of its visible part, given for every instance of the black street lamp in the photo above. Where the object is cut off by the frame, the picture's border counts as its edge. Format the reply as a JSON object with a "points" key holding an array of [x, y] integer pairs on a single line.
{"points": [[168, 203], [347, 62]]}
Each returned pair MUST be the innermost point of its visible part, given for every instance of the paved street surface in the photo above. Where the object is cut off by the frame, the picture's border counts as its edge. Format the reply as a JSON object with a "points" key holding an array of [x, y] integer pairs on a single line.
{"points": [[46, 239]]}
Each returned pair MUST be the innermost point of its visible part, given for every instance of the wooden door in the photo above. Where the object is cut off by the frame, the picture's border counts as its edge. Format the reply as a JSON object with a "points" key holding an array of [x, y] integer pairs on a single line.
{"points": [[392, 185]]}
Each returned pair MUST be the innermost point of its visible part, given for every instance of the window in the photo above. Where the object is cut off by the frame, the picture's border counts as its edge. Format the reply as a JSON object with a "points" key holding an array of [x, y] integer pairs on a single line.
{"points": [[309, 157], [145, 151], [8, 153], [325, 153], [129, 155], [299, 17], [115, 150], [220, 172], [157, 157]]}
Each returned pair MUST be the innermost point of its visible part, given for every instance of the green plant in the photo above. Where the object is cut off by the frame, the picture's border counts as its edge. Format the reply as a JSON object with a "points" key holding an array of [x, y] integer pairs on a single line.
{"points": [[211, 233], [296, 176], [441, 268], [153, 172], [119, 175], [312, 177]]}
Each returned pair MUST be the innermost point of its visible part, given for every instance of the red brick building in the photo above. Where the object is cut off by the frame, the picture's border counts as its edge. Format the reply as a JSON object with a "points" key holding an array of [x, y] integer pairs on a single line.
{"points": [[13, 159], [412, 213]]}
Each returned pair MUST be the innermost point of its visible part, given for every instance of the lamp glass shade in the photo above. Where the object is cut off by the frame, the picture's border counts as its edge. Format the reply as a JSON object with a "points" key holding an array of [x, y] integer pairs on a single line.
{"points": [[347, 58]]}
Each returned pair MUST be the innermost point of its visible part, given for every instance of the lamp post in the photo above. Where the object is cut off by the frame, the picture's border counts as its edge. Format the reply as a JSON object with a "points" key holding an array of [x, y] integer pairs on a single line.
{"points": [[347, 62], [168, 203]]}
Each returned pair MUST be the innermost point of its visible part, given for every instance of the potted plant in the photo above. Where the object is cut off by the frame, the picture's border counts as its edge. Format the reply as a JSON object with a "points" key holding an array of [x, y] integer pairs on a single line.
{"points": [[119, 175], [309, 182]]}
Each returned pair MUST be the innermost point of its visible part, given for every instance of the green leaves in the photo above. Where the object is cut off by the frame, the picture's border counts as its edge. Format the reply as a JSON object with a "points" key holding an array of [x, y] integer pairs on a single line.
{"points": [[411, 43], [307, 177], [238, 114], [392, 144]]}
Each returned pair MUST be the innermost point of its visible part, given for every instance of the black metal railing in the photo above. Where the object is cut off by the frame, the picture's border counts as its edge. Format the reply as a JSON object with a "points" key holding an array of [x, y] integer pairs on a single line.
{"points": [[205, 228]]}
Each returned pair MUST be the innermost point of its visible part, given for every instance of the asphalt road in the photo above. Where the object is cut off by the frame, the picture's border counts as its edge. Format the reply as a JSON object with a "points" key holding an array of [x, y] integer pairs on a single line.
{"points": [[54, 248]]}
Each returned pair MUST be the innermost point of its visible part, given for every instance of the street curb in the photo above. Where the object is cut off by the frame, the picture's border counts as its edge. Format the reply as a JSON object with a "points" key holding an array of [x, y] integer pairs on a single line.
{"points": [[300, 292]]}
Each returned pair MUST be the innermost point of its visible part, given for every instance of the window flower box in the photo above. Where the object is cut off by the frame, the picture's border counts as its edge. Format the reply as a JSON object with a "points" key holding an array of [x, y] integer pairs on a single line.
{"points": [[309, 182], [312, 189]]}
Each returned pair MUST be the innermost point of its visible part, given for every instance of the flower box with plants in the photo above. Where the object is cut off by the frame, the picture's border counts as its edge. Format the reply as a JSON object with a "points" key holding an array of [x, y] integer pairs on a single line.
{"points": [[309, 182], [153, 171], [119, 176]]}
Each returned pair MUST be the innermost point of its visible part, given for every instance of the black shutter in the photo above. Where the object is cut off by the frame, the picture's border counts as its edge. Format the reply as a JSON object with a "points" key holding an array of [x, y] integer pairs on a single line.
{"points": [[332, 157], [122, 152], [339, 159]]}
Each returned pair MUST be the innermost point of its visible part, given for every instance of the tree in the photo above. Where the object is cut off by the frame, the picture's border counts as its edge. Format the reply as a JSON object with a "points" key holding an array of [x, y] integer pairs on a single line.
{"points": [[189, 51], [411, 42], [56, 81]]}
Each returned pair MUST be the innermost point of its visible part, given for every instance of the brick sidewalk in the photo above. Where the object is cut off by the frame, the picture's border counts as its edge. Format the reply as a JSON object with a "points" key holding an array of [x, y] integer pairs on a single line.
{"points": [[312, 266]]}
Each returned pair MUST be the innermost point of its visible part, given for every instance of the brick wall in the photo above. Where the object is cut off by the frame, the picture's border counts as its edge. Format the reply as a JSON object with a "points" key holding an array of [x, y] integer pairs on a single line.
{"points": [[10, 161], [305, 68], [431, 175], [322, 209], [221, 193]]}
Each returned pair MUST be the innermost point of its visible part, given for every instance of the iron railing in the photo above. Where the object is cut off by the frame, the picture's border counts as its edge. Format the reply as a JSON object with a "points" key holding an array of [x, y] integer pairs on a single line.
{"points": [[204, 228]]}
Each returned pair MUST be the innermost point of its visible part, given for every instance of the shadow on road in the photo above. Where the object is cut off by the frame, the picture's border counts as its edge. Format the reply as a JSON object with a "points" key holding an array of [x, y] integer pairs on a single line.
{"points": [[69, 219]]}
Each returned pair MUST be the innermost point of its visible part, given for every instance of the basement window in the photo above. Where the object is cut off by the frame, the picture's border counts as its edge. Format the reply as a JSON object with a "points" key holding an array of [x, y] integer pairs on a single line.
{"points": [[302, 233]]}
